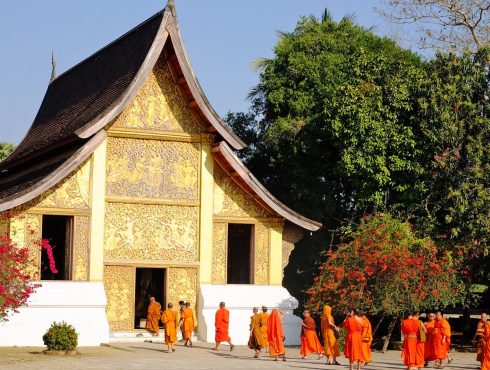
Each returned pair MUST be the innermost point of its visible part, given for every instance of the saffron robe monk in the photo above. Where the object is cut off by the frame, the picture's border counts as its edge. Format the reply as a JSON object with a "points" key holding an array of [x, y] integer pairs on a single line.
{"points": [[353, 340], [254, 341], [222, 324], [479, 338], [413, 348], [275, 335], [330, 333], [367, 339], [263, 319], [188, 322], [442, 339], [485, 365], [169, 319], [309, 339], [153, 316], [429, 338]]}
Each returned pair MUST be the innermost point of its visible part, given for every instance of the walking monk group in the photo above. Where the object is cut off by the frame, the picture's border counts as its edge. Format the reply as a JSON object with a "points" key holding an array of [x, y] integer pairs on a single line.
{"points": [[188, 322], [330, 333], [309, 340], [414, 333], [153, 316], [353, 341], [169, 319], [222, 324], [275, 335]]}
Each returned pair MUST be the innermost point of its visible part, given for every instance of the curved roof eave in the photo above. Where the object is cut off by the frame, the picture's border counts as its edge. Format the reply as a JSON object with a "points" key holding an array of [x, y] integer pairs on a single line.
{"points": [[230, 157]]}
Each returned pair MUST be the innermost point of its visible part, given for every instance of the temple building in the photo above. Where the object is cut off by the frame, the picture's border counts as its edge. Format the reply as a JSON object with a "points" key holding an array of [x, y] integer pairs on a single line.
{"points": [[134, 179]]}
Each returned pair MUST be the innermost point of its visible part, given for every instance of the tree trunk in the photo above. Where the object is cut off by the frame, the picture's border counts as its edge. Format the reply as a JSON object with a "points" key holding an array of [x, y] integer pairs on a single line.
{"points": [[390, 332], [376, 327]]}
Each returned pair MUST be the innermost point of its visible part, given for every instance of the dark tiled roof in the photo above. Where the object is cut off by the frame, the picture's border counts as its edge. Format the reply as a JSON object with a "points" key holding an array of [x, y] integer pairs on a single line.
{"points": [[82, 93]]}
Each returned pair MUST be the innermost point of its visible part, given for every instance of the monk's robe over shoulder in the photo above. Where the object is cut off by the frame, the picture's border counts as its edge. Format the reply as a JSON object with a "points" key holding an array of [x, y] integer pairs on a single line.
{"points": [[254, 341], [263, 319], [429, 341], [485, 365], [353, 340], [153, 317], [309, 339], [367, 339], [413, 350], [188, 324], [275, 334], [329, 340], [222, 323], [169, 319]]}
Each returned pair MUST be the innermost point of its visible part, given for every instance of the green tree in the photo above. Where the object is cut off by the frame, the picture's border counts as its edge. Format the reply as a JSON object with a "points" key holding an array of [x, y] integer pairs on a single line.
{"points": [[5, 150]]}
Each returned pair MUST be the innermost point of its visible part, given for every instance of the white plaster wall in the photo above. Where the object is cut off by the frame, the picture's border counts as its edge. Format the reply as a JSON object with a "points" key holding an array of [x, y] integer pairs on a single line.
{"points": [[240, 299], [81, 304]]}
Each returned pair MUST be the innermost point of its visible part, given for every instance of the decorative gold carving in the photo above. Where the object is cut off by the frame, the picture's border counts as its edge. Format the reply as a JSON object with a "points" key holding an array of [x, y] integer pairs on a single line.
{"points": [[219, 260], [135, 231], [132, 133], [261, 255], [231, 200], [163, 202], [182, 285], [290, 235], [71, 192], [119, 283], [152, 169], [159, 106], [80, 248]]}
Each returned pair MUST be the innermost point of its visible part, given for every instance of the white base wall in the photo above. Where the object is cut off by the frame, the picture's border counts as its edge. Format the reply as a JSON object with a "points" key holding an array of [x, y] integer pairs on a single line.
{"points": [[240, 300], [81, 304]]}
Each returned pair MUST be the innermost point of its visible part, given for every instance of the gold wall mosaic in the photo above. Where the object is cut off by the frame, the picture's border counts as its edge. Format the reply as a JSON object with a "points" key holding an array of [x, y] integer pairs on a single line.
{"points": [[142, 231], [231, 201], [152, 169], [158, 105], [290, 235], [119, 283], [32, 232], [182, 285], [219, 260], [80, 248], [261, 254]]}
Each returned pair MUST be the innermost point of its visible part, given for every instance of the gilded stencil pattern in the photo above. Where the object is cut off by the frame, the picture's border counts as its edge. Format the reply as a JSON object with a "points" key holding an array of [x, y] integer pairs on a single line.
{"points": [[139, 231], [261, 254], [231, 200], [80, 248], [182, 285], [290, 235], [119, 283], [158, 105], [71, 192], [220, 237], [152, 169]]}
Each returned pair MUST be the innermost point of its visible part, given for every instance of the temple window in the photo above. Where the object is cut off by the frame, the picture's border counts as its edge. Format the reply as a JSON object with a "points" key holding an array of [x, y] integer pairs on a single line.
{"points": [[240, 253], [58, 230]]}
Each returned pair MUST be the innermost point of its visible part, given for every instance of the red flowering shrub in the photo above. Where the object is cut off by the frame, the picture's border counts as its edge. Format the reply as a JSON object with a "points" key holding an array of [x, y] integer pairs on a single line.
{"points": [[386, 268]]}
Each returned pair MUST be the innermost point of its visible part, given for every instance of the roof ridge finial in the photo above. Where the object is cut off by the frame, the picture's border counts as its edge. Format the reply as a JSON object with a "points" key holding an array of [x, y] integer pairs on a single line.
{"points": [[171, 7], [53, 67]]}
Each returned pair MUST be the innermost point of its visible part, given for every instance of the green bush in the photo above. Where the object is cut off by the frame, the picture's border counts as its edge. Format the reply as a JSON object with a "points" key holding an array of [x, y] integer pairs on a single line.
{"points": [[341, 339], [61, 336]]}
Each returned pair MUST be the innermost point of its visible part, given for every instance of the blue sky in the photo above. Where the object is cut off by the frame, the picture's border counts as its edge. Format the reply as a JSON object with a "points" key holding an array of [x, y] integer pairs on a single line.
{"points": [[222, 38]]}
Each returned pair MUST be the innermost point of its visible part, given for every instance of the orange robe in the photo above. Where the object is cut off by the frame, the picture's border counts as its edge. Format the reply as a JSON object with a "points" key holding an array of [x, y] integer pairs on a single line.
{"points": [[329, 339], [263, 319], [367, 339], [254, 342], [441, 329], [485, 365], [169, 319], [429, 341], [188, 323], [353, 340], [222, 323], [153, 317], [413, 349], [275, 334], [309, 340], [480, 346]]}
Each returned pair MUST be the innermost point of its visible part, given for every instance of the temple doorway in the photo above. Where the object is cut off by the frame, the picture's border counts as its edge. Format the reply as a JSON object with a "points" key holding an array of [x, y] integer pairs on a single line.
{"points": [[57, 230], [150, 282], [240, 254]]}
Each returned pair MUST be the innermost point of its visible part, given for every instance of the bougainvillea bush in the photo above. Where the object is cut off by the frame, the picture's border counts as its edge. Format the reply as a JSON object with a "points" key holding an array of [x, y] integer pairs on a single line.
{"points": [[384, 267]]}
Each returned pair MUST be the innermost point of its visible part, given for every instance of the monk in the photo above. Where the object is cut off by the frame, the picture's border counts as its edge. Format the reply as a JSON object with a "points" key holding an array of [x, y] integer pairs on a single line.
{"points": [[182, 308], [442, 339], [255, 340], [275, 335], [429, 341], [485, 365], [222, 323], [188, 323], [367, 338], [263, 319], [153, 316], [413, 348], [353, 340], [330, 333], [169, 319], [309, 339], [479, 338]]}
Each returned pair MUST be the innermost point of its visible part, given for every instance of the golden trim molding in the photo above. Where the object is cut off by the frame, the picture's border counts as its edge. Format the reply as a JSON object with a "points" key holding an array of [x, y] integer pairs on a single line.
{"points": [[157, 201], [133, 133], [149, 263], [269, 221], [59, 211]]}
